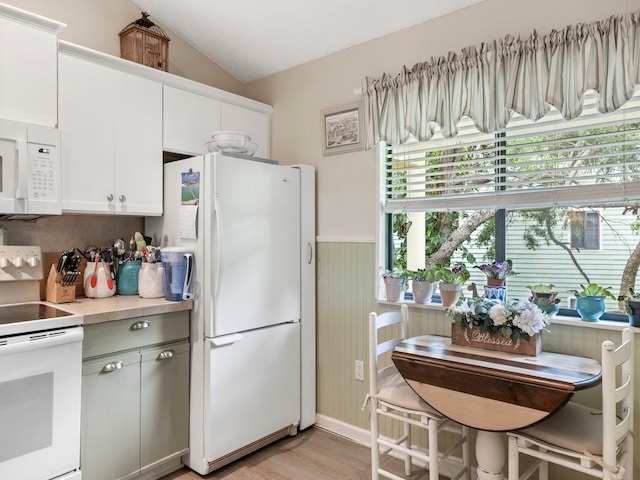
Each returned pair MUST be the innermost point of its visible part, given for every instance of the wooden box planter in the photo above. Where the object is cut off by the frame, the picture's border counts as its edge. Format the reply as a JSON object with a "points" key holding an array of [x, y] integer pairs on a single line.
{"points": [[473, 337]]}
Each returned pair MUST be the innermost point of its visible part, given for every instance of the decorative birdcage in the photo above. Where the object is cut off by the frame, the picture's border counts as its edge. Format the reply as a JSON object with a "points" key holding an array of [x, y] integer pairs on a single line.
{"points": [[144, 42]]}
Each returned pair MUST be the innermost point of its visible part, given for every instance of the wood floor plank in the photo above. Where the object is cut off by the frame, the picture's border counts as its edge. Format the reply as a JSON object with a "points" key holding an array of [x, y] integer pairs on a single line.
{"points": [[313, 454]]}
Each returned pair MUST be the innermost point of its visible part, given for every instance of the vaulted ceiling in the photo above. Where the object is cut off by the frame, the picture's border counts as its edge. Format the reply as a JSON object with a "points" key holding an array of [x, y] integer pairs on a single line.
{"points": [[252, 39]]}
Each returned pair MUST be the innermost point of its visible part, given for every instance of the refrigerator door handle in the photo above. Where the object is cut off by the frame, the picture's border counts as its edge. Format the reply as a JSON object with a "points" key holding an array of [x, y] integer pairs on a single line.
{"points": [[225, 340], [309, 253], [218, 236]]}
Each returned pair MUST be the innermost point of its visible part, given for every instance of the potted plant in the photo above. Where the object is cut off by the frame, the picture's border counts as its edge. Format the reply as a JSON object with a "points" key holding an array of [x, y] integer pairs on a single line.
{"points": [[497, 272], [590, 301], [632, 306], [495, 325], [395, 282], [545, 296], [450, 281], [423, 283]]}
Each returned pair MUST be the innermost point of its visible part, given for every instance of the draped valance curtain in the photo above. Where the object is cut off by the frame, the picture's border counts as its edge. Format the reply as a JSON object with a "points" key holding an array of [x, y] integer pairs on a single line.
{"points": [[490, 81]]}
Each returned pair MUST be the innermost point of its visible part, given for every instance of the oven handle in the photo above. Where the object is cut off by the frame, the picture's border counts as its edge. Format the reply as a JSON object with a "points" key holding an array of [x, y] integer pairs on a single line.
{"points": [[41, 340]]}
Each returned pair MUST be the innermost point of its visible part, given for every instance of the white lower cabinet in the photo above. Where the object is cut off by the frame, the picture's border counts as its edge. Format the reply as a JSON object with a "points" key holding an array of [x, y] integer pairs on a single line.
{"points": [[135, 401]]}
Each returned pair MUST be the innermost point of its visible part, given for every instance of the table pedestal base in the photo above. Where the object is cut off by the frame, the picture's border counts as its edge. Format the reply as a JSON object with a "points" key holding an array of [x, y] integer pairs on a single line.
{"points": [[490, 455]]}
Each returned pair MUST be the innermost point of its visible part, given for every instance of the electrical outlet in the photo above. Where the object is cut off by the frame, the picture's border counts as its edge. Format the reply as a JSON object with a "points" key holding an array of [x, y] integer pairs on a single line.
{"points": [[360, 370]]}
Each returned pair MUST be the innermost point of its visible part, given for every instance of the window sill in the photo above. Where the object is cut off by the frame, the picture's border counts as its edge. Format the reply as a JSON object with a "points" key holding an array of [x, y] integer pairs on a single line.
{"points": [[557, 320]]}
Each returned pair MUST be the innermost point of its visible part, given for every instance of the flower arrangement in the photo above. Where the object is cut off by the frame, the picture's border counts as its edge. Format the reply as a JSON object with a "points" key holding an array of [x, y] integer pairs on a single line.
{"points": [[455, 275], [513, 319], [497, 270]]}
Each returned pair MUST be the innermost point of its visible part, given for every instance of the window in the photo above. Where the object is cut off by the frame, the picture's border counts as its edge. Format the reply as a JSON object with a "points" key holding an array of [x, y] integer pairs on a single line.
{"points": [[559, 198], [585, 230]]}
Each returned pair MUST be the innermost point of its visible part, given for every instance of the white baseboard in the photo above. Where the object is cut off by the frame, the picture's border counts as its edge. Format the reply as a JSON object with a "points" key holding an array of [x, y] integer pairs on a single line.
{"points": [[355, 434]]}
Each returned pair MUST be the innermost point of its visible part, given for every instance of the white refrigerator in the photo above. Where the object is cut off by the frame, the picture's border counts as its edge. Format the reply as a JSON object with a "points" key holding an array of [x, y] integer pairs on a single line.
{"points": [[250, 224]]}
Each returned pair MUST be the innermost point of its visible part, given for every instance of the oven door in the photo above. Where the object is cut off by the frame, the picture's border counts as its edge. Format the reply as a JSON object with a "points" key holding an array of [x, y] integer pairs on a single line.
{"points": [[40, 376]]}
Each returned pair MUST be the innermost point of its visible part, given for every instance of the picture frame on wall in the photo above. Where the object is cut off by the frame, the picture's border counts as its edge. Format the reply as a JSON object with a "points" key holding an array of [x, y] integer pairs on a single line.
{"points": [[342, 129]]}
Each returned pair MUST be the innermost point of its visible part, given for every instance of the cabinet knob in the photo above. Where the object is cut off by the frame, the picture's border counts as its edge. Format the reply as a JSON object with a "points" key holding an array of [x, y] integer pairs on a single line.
{"points": [[167, 354], [140, 325], [110, 197], [122, 198], [112, 367]]}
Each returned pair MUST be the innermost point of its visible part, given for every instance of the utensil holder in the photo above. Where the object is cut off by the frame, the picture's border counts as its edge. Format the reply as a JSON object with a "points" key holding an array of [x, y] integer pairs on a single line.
{"points": [[57, 293]]}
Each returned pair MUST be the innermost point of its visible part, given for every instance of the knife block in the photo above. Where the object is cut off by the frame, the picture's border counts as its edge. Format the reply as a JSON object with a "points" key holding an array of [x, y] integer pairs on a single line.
{"points": [[57, 293]]}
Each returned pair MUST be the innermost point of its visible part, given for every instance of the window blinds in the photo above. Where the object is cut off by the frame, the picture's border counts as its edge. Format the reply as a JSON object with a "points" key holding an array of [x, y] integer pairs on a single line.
{"points": [[593, 158]]}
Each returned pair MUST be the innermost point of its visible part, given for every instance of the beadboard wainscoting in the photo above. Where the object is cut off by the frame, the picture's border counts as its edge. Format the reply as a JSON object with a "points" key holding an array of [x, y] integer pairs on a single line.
{"points": [[346, 281]]}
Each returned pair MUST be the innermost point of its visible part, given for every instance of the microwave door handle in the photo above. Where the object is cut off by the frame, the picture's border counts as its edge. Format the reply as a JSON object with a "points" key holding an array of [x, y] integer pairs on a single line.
{"points": [[23, 170]]}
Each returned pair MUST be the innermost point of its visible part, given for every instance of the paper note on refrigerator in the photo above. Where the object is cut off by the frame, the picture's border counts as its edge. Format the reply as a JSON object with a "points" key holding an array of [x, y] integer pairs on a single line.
{"points": [[189, 198], [189, 222]]}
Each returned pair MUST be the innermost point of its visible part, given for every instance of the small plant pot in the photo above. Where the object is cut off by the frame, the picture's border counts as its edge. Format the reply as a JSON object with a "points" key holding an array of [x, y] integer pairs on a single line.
{"points": [[422, 291], [547, 302], [449, 293], [395, 287], [590, 308], [495, 293], [634, 317], [495, 282]]}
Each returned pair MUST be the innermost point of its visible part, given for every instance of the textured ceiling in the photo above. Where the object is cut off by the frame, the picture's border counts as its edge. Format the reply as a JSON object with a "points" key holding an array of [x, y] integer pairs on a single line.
{"points": [[252, 39]]}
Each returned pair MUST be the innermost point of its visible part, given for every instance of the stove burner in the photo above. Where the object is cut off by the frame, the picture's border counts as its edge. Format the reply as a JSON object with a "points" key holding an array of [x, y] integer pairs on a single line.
{"points": [[25, 312]]}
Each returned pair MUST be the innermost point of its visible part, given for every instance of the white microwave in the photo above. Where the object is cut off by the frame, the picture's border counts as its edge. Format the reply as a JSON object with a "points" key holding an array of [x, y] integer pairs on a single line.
{"points": [[29, 170]]}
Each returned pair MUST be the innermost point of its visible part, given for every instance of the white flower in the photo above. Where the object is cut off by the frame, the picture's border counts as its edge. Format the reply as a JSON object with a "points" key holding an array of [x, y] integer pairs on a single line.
{"points": [[530, 320], [499, 314]]}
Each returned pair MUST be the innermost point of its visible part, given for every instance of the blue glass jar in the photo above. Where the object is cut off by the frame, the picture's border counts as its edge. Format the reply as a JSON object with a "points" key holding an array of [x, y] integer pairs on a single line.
{"points": [[128, 277]]}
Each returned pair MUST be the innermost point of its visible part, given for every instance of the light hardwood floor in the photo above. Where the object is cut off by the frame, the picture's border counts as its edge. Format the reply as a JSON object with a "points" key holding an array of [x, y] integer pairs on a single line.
{"points": [[314, 454]]}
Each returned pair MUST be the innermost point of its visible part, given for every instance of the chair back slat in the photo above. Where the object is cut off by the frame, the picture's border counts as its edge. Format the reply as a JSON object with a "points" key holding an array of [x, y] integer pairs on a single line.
{"points": [[617, 394], [378, 347]]}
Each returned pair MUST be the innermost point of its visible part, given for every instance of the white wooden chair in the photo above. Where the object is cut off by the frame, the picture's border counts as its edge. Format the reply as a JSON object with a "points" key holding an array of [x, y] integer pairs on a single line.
{"points": [[598, 443], [390, 396]]}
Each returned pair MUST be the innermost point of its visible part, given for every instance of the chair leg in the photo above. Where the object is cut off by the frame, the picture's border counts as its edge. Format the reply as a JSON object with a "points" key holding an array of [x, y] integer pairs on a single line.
{"points": [[375, 448], [433, 449], [466, 451], [514, 459], [543, 469], [408, 464]]}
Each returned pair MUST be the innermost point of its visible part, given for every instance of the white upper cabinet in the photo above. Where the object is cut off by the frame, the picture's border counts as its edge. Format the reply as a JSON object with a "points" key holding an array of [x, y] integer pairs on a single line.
{"points": [[188, 120], [255, 124], [28, 67], [111, 138], [192, 112]]}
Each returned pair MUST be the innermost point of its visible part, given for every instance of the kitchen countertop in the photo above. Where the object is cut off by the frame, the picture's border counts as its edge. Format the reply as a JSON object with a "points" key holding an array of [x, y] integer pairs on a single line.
{"points": [[119, 307]]}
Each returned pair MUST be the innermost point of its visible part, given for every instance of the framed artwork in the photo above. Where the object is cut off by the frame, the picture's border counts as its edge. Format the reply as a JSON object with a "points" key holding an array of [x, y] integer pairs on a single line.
{"points": [[342, 129]]}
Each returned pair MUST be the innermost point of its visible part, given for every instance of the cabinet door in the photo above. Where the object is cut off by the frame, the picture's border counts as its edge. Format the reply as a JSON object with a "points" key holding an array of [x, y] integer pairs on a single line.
{"points": [[138, 145], [189, 120], [256, 124], [87, 135], [110, 436], [28, 70], [164, 406]]}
